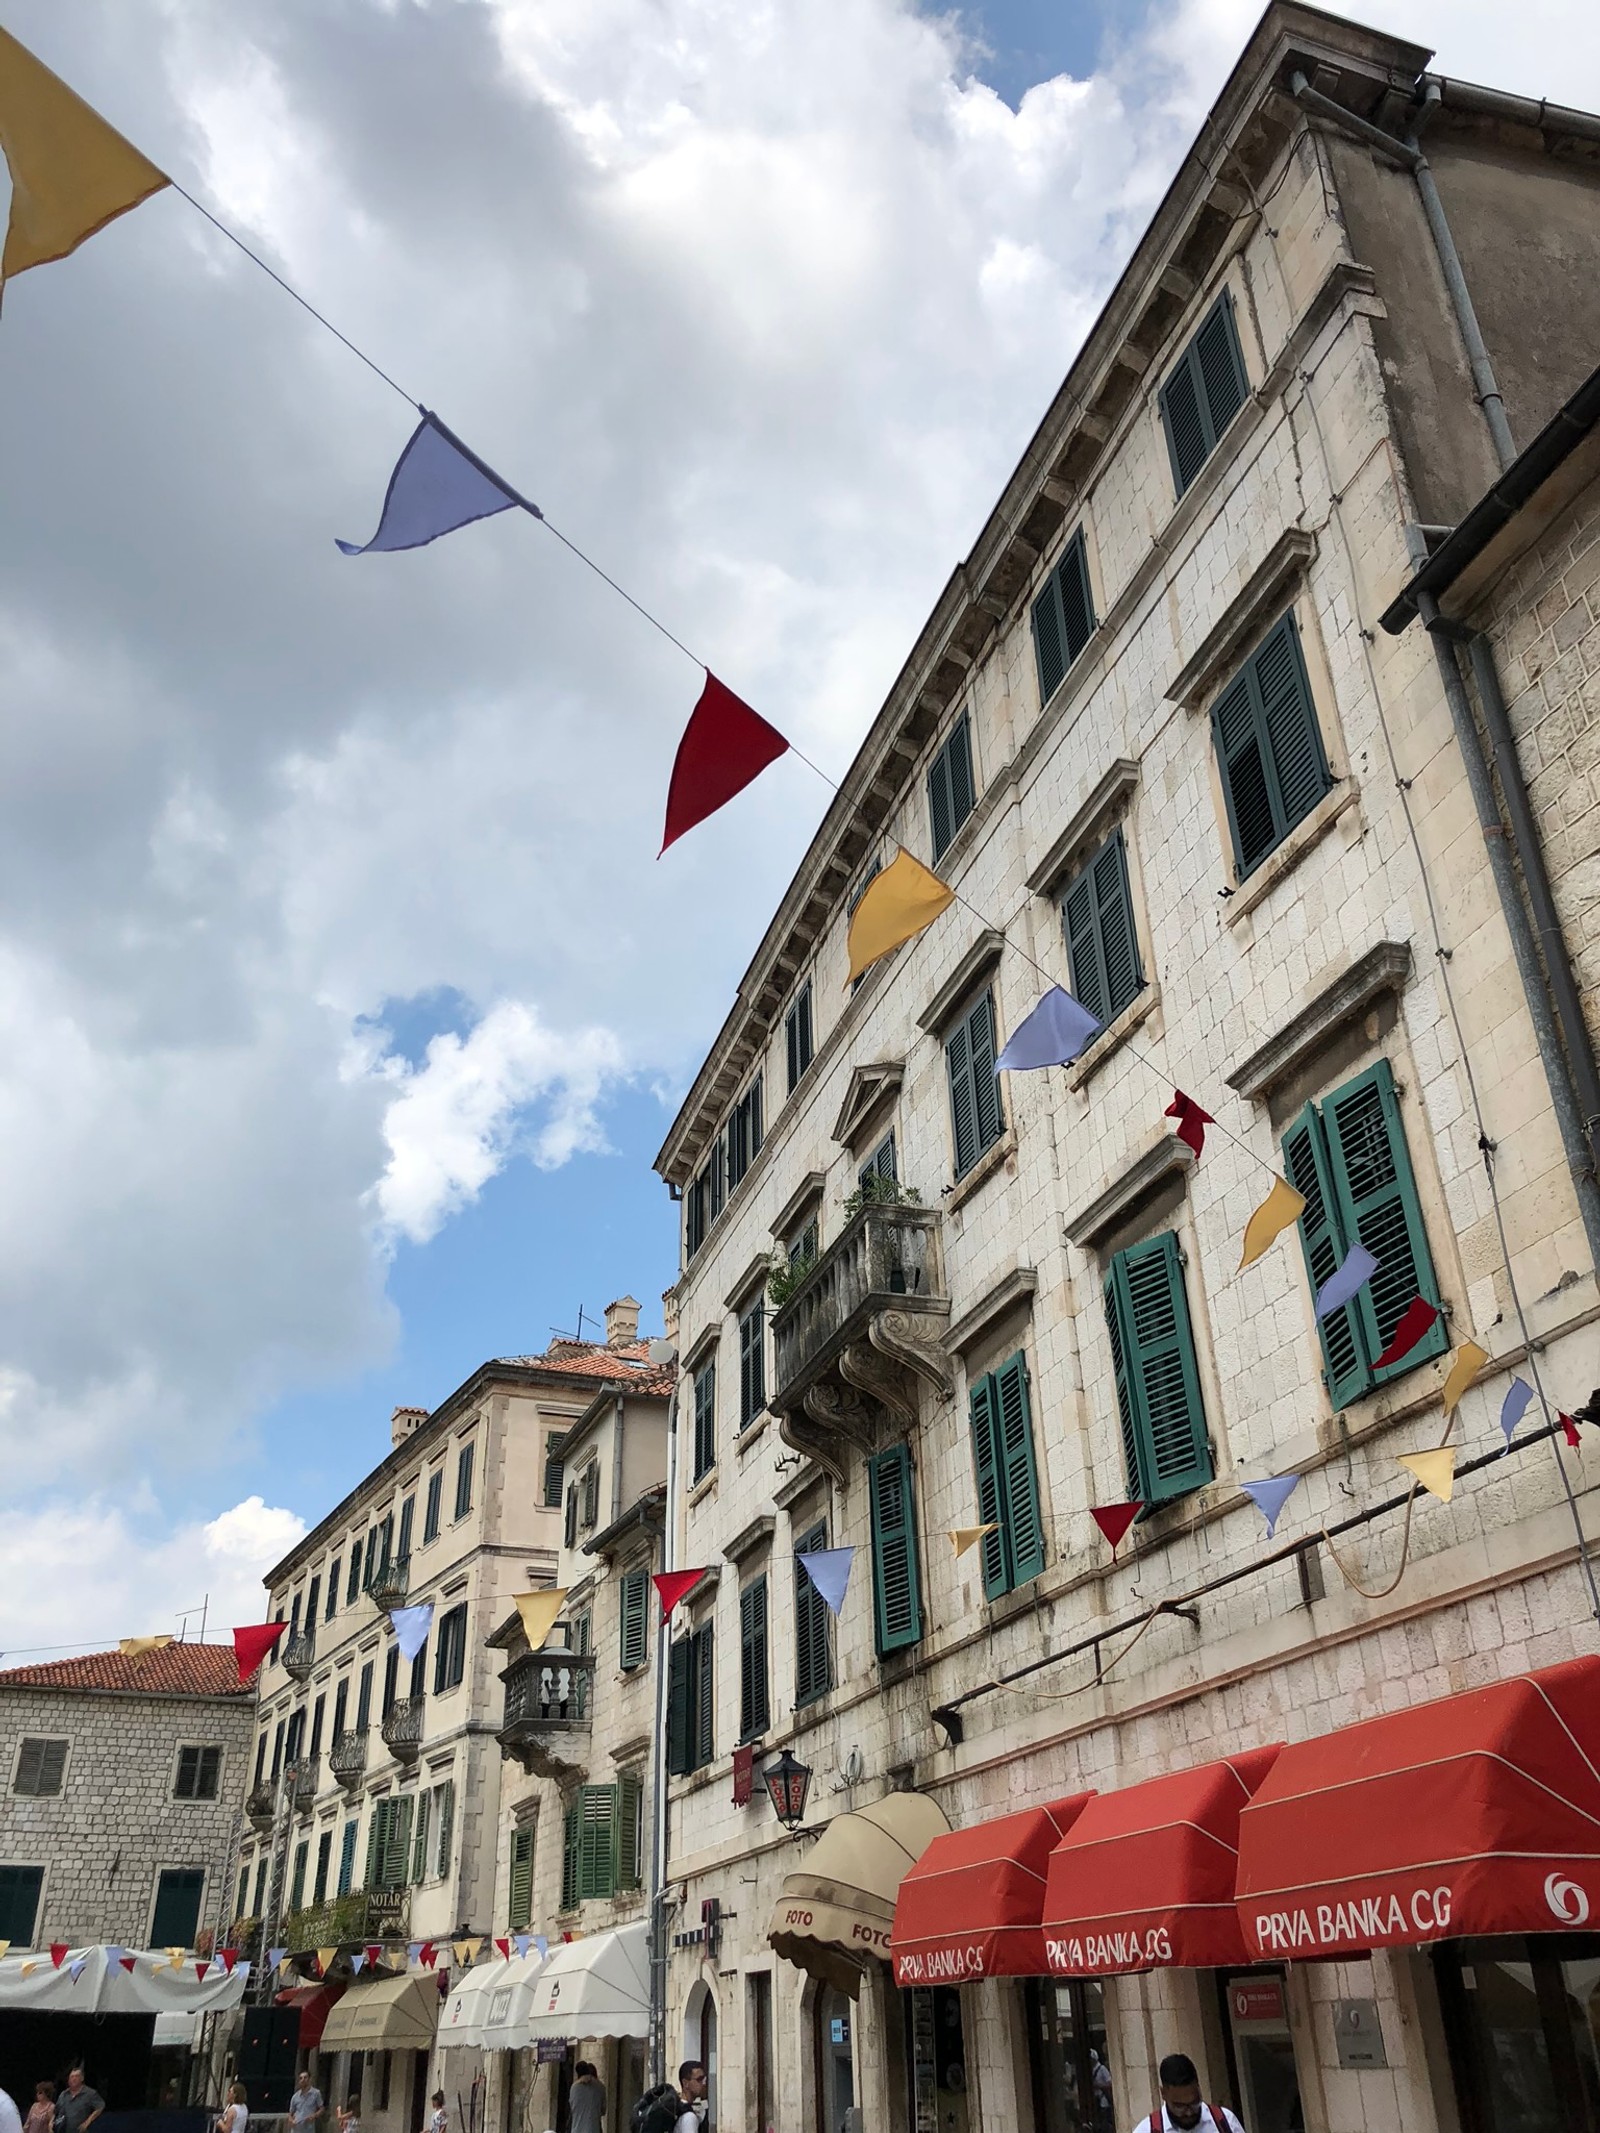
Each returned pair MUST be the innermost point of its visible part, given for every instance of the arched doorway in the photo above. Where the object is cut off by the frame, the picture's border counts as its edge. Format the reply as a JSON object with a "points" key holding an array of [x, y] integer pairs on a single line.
{"points": [[700, 2042], [833, 2044]]}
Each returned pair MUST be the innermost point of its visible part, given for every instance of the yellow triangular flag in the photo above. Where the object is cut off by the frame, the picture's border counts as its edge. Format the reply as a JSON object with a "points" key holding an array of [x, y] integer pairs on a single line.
{"points": [[285, 1962], [538, 1611], [71, 173], [175, 1957], [462, 1950], [1468, 1360], [898, 903], [136, 1647], [1435, 1470], [325, 1958], [29, 1968], [5, 1949], [964, 1537], [1282, 1206]]}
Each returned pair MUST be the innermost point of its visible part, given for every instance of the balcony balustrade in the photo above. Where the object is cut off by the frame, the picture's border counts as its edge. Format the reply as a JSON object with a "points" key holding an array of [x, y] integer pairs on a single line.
{"points": [[260, 1807], [402, 1729], [303, 1778], [391, 1581], [299, 1654], [347, 1758], [547, 1703], [362, 1915]]}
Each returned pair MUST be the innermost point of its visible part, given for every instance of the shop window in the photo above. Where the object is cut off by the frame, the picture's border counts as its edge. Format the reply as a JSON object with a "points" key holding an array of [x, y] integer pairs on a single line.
{"points": [[1206, 389], [177, 1911], [1164, 1442], [951, 792], [1269, 747], [19, 1903], [634, 1612], [1264, 2084], [936, 2055], [813, 1644], [1522, 2029], [705, 1420], [1067, 2057], [1348, 1160], [752, 1363], [896, 1580], [1063, 617], [1102, 940], [754, 1705], [976, 1119], [1008, 1479], [798, 1036], [689, 1702]]}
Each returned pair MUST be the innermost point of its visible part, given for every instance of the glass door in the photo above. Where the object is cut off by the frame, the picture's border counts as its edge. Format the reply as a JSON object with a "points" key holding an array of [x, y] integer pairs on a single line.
{"points": [[1262, 2051], [936, 2060], [1071, 2070], [1523, 2025]]}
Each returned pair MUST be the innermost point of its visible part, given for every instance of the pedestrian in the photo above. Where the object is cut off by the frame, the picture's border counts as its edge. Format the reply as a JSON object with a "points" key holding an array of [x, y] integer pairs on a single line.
{"points": [[10, 2116], [305, 2104], [78, 2105], [692, 2086], [586, 2104], [350, 2116], [1180, 2109], [42, 2111], [440, 2121], [235, 2114]]}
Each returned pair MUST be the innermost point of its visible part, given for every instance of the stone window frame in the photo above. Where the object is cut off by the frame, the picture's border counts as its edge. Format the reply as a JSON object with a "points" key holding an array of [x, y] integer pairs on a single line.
{"points": [[47, 1740]]}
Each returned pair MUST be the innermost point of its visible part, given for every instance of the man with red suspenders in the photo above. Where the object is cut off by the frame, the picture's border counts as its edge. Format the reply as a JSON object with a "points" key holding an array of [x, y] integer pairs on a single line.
{"points": [[1180, 2109]]}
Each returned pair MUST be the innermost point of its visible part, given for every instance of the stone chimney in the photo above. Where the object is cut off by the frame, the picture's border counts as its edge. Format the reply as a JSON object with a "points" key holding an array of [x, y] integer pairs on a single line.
{"points": [[404, 1421], [622, 1322]]}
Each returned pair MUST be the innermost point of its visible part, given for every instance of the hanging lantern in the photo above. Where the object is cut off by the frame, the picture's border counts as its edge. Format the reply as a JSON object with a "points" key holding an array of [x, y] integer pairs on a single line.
{"points": [[788, 1782]]}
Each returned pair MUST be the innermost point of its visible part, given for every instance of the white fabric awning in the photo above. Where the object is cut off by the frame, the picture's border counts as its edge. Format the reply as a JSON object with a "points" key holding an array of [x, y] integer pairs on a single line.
{"points": [[462, 2020], [505, 2020], [599, 1987], [106, 1984], [386, 2014]]}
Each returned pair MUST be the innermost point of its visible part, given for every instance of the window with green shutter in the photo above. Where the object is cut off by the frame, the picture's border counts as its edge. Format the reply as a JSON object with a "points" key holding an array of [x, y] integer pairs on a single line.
{"points": [[976, 1120], [880, 1164], [630, 1829], [754, 1698], [297, 1874], [419, 1845], [597, 1841], [1063, 617], [20, 1888], [177, 1911], [347, 1860], [1102, 940], [1348, 1157], [798, 1046], [1269, 747], [447, 1826], [635, 1618], [813, 1648], [752, 1363], [1008, 1478], [519, 1896], [571, 1854], [554, 1470], [689, 1702], [1164, 1439], [896, 1572], [1207, 387], [951, 793], [705, 1419]]}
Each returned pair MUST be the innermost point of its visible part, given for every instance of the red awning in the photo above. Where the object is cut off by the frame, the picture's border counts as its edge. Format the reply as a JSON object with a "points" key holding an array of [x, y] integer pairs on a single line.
{"points": [[1145, 1877], [1477, 1814], [315, 2002], [970, 1906]]}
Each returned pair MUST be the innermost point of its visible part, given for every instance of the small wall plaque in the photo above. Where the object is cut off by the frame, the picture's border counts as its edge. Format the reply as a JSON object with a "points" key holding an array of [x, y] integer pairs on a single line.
{"points": [[1358, 2033]]}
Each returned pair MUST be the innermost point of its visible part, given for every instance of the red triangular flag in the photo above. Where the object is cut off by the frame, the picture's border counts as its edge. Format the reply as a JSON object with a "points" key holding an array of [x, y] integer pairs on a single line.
{"points": [[200, 1970], [373, 1953], [1114, 1519], [59, 1951], [1569, 1429], [127, 1961], [1417, 1317], [725, 745], [1192, 1122], [228, 1957], [429, 1955], [505, 1948], [252, 1644], [671, 1585]]}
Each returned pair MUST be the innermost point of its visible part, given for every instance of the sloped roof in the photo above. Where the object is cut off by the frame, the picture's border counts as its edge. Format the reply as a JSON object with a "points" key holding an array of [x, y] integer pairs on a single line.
{"points": [[174, 1670]]}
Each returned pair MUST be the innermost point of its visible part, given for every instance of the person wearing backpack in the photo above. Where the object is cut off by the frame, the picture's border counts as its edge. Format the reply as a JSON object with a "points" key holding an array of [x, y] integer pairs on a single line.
{"points": [[1179, 2108]]}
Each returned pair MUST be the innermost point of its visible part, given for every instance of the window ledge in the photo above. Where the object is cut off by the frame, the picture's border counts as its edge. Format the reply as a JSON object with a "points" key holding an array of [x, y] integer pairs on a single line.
{"points": [[1103, 802], [1283, 566], [758, 1534], [1293, 849], [1092, 1224], [1114, 1036], [979, 960], [1019, 1286], [981, 1172], [1383, 968], [752, 1434], [703, 1488]]}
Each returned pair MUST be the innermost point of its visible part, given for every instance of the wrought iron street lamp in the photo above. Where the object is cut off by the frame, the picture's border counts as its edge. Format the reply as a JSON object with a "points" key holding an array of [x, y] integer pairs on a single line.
{"points": [[788, 1781]]}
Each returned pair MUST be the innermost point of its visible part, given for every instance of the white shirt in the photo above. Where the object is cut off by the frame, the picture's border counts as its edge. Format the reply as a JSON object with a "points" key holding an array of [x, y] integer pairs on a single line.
{"points": [[1163, 2123], [237, 2116], [10, 2116]]}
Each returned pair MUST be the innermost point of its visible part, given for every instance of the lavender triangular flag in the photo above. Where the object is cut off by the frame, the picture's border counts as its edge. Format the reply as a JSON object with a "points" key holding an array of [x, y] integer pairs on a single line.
{"points": [[275, 1956], [1270, 1496], [829, 1570], [1358, 1267], [1513, 1407], [542, 1945], [1052, 1035], [411, 1627], [437, 485], [522, 1942], [358, 1957]]}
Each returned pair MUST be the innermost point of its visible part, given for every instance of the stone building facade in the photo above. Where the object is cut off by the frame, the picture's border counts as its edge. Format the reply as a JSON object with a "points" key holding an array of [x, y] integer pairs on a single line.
{"points": [[1155, 740], [120, 1815]]}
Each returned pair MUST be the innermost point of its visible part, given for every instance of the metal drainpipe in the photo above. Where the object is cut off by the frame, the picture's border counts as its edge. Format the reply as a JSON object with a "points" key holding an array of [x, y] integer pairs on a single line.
{"points": [[1516, 918], [659, 1798], [1410, 156]]}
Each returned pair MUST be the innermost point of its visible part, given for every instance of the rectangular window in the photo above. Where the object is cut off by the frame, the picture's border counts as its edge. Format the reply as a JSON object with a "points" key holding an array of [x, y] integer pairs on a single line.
{"points": [[391, 1680], [317, 1710], [813, 1646], [1063, 617], [880, 1164], [341, 1705], [374, 1555], [297, 1875], [591, 1495], [294, 1737], [976, 1119], [752, 1363], [294, 1619], [177, 1912], [319, 1886], [744, 1133], [19, 1903], [519, 1897], [797, 1036], [333, 1590], [951, 795], [419, 1841], [419, 1671], [569, 1524], [431, 1506], [571, 1854], [464, 1480], [41, 1768], [1008, 1480], [755, 1713], [199, 1774], [313, 1600], [1347, 1157], [244, 1892], [261, 1758], [450, 1649], [630, 1829], [1164, 1444], [408, 1516], [364, 1699], [582, 1631], [705, 1419], [277, 1750], [1269, 747], [689, 1705], [1205, 390], [553, 1468], [389, 1843], [896, 1572], [803, 1245], [717, 1177], [634, 1611], [697, 1212], [446, 1796], [1102, 943], [353, 1589], [261, 1888]]}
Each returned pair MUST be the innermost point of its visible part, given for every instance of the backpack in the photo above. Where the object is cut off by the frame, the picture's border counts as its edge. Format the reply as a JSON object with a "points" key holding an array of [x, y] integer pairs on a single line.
{"points": [[657, 2111], [1155, 2122]]}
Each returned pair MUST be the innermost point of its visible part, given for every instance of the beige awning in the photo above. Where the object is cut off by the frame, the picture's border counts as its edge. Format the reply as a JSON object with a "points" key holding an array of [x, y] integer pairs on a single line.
{"points": [[391, 2014], [835, 1912]]}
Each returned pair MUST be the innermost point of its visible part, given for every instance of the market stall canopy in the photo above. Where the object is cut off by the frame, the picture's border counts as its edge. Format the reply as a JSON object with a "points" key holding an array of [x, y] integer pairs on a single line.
{"points": [[1145, 1878], [509, 2003], [315, 2003], [836, 1913], [597, 1987], [1477, 1814], [972, 1904], [461, 2023], [388, 2014], [104, 1985]]}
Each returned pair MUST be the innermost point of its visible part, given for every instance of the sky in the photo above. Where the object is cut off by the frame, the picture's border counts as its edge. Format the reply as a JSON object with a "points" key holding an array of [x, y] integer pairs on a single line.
{"points": [[346, 1001]]}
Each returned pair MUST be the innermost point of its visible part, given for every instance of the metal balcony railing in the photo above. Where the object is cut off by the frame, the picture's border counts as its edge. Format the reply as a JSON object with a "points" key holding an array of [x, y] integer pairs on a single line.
{"points": [[303, 1779], [885, 1259], [347, 1758], [402, 1729], [547, 1692], [362, 1915], [260, 1806], [299, 1654], [390, 1581]]}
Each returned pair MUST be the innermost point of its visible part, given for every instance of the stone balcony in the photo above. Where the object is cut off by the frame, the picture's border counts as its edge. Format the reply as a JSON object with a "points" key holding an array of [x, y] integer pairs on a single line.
{"points": [[402, 1729], [302, 1779], [299, 1655], [260, 1807], [391, 1581], [860, 1338], [347, 1758], [546, 1716]]}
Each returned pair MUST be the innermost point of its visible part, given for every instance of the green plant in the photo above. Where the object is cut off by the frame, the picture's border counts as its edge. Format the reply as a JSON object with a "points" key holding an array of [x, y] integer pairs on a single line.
{"points": [[786, 1276], [877, 1190]]}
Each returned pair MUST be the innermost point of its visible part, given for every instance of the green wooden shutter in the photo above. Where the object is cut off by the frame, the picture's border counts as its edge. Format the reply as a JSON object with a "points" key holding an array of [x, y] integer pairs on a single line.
{"points": [[396, 1845], [1224, 385], [630, 1830], [985, 1081], [1183, 419], [950, 787], [447, 1824], [597, 1840], [1019, 1476], [1128, 1413], [1378, 1206], [1063, 617], [896, 1580], [1242, 758], [571, 1855], [419, 1848], [519, 1897], [963, 1108], [1346, 1362], [984, 1406], [635, 1631], [375, 1830], [1078, 921], [680, 1708], [704, 1707], [1119, 943], [1289, 719], [754, 1714], [1158, 1358], [813, 1673], [347, 1859]]}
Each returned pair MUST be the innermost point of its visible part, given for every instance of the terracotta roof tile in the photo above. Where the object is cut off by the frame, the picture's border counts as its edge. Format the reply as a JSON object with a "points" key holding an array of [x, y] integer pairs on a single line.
{"points": [[629, 1363], [174, 1670]]}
